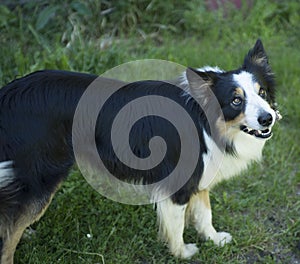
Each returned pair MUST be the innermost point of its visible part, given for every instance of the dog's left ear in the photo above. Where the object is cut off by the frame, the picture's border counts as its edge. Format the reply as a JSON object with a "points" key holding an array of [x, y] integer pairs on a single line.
{"points": [[256, 56]]}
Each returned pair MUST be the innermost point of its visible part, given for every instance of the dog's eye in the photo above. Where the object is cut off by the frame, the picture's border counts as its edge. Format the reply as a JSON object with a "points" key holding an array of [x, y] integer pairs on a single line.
{"points": [[262, 93], [237, 101]]}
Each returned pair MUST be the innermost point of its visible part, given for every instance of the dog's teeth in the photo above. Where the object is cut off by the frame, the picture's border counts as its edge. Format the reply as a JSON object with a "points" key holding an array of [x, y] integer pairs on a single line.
{"points": [[257, 132], [251, 132]]}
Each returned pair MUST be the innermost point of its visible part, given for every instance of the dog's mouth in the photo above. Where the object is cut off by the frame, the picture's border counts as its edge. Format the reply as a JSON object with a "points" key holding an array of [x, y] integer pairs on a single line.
{"points": [[264, 134]]}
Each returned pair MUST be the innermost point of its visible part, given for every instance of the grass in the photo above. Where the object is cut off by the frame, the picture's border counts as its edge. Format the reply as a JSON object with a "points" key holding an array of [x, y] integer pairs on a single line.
{"points": [[261, 208]]}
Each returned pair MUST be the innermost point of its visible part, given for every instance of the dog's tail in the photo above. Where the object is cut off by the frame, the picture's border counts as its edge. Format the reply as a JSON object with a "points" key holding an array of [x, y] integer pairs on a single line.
{"points": [[8, 186]]}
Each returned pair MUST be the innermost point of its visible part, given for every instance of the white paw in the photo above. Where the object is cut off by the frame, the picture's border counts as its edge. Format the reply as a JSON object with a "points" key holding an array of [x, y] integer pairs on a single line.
{"points": [[187, 251], [222, 238]]}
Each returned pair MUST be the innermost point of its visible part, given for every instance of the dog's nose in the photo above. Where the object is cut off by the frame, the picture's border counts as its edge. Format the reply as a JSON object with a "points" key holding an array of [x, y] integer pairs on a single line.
{"points": [[265, 119]]}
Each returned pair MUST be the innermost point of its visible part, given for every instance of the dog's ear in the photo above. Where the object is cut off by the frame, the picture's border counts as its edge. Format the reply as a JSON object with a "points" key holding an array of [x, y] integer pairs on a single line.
{"points": [[201, 83], [193, 75], [256, 56], [202, 88]]}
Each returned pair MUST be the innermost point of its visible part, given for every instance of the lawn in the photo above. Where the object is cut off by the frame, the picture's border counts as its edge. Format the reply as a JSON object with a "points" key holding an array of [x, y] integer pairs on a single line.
{"points": [[260, 208]]}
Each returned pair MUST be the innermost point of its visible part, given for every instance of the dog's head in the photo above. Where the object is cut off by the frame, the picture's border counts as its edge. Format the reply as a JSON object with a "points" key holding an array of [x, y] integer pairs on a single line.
{"points": [[246, 95]]}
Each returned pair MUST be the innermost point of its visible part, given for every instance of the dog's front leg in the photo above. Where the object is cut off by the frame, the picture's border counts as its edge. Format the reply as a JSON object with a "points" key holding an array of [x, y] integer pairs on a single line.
{"points": [[199, 212], [171, 217]]}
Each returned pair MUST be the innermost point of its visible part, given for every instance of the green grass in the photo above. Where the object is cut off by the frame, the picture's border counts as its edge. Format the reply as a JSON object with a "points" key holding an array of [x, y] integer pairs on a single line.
{"points": [[261, 208]]}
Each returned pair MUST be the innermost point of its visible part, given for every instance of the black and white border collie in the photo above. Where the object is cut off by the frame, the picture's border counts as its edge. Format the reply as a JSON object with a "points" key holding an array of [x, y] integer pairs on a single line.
{"points": [[36, 152]]}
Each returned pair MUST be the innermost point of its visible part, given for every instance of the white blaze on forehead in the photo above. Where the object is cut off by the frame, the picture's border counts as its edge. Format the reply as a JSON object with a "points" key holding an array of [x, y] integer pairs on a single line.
{"points": [[245, 80], [255, 105]]}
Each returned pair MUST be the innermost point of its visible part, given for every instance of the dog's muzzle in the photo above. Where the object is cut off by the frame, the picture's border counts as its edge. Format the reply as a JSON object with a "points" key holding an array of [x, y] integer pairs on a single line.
{"points": [[263, 120]]}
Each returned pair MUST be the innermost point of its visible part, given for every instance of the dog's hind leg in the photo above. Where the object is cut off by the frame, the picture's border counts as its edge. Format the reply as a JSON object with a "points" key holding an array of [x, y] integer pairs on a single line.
{"points": [[10, 241], [199, 212], [12, 232], [171, 224]]}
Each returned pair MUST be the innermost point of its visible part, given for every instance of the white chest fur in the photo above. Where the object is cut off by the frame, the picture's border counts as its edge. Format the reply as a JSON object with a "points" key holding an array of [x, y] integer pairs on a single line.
{"points": [[219, 166]]}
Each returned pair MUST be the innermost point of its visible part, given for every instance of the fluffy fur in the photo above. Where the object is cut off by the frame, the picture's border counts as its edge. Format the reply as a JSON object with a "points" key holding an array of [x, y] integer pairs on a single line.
{"points": [[36, 149]]}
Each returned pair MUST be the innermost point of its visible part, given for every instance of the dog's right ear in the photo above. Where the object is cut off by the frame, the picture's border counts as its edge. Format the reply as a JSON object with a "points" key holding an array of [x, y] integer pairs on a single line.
{"points": [[201, 85], [200, 82], [207, 76]]}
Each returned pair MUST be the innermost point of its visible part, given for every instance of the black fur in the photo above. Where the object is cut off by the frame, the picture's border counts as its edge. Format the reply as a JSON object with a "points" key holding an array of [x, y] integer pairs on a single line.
{"points": [[145, 129], [35, 131], [1, 245]]}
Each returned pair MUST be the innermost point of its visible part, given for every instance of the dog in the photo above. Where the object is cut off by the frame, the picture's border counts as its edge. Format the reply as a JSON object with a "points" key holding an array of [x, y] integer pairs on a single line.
{"points": [[36, 150]]}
